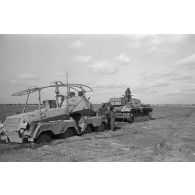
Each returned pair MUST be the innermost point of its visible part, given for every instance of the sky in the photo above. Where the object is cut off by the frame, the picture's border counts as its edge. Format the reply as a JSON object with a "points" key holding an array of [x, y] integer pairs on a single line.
{"points": [[159, 69]]}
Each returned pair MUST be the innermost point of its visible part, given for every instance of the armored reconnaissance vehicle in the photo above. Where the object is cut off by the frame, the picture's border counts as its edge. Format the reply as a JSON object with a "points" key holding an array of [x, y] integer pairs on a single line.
{"points": [[69, 113], [130, 109]]}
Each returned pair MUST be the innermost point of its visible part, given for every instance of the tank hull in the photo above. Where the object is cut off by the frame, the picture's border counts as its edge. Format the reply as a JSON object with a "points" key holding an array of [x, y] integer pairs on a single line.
{"points": [[134, 114]]}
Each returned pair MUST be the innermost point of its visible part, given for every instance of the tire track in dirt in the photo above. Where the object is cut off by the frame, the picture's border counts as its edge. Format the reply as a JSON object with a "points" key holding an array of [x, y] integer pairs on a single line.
{"points": [[170, 142]]}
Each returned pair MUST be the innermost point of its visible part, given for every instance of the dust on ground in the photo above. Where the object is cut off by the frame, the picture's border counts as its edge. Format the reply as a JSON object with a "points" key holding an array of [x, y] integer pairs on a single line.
{"points": [[170, 136]]}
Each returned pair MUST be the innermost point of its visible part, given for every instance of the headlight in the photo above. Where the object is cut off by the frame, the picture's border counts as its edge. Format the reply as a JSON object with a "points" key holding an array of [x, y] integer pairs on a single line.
{"points": [[21, 131]]}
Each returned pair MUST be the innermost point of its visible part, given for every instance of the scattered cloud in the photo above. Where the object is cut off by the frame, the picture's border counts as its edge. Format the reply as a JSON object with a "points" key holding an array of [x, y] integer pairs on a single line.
{"points": [[152, 88], [187, 78], [110, 67], [158, 39], [180, 91], [144, 90], [174, 92], [23, 79], [164, 74], [109, 85], [104, 67], [187, 60], [138, 37], [123, 59], [135, 44], [159, 85], [104, 62], [83, 59], [13, 81], [167, 75], [27, 76], [159, 44], [160, 50], [60, 74], [77, 44], [173, 38]]}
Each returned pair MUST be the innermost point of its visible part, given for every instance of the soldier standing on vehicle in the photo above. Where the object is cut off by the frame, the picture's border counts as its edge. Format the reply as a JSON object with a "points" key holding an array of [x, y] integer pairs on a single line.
{"points": [[128, 94], [110, 115]]}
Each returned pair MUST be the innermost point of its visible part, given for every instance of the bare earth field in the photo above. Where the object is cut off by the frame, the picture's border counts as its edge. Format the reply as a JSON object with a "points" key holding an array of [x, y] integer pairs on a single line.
{"points": [[170, 136]]}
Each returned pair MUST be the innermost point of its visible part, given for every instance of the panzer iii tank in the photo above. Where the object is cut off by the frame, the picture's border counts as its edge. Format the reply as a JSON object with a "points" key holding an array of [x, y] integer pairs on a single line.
{"points": [[130, 109]]}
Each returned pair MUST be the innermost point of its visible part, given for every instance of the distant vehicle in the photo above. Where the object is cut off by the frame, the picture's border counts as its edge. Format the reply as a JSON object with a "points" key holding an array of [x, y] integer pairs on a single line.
{"points": [[69, 107], [130, 109]]}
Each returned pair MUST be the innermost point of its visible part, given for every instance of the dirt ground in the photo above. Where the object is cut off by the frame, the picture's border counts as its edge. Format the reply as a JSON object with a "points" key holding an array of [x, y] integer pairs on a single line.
{"points": [[170, 136]]}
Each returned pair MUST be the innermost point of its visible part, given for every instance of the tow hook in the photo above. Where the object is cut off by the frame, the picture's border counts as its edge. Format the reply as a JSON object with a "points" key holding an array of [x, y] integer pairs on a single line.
{"points": [[4, 138]]}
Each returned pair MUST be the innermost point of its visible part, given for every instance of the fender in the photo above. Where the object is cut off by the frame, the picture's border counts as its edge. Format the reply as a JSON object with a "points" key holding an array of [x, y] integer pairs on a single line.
{"points": [[56, 127]]}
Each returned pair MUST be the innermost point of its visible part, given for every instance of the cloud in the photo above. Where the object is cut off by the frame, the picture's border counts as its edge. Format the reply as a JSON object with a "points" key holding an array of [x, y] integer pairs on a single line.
{"points": [[60, 74], [123, 59], [164, 74], [167, 75], [104, 67], [109, 85], [157, 43], [187, 60], [161, 39], [135, 45], [23, 79], [160, 84], [187, 78], [160, 50], [158, 39], [181, 91], [144, 90], [83, 59], [151, 88], [77, 44], [27, 76], [138, 37]]}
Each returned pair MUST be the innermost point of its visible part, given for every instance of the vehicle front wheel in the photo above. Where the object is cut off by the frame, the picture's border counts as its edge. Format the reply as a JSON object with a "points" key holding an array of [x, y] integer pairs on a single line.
{"points": [[68, 133], [43, 138], [88, 129], [101, 128]]}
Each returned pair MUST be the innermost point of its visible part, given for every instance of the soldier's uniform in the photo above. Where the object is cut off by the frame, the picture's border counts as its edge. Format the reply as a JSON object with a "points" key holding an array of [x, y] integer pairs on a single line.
{"points": [[128, 94], [102, 111], [110, 115]]}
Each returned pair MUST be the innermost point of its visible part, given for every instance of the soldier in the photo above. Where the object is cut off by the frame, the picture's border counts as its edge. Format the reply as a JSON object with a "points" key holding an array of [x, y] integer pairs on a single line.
{"points": [[102, 110], [128, 94], [110, 115]]}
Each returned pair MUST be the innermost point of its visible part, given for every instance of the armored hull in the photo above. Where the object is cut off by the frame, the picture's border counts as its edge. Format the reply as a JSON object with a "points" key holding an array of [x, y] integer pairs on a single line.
{"points": [[132, 111]]}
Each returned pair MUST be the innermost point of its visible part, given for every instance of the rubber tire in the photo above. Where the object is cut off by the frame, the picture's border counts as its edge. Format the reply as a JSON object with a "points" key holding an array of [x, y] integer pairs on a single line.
{"points": [[130, 119], [43, 138], [68, 133], [88, 129], [101, 128]]}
